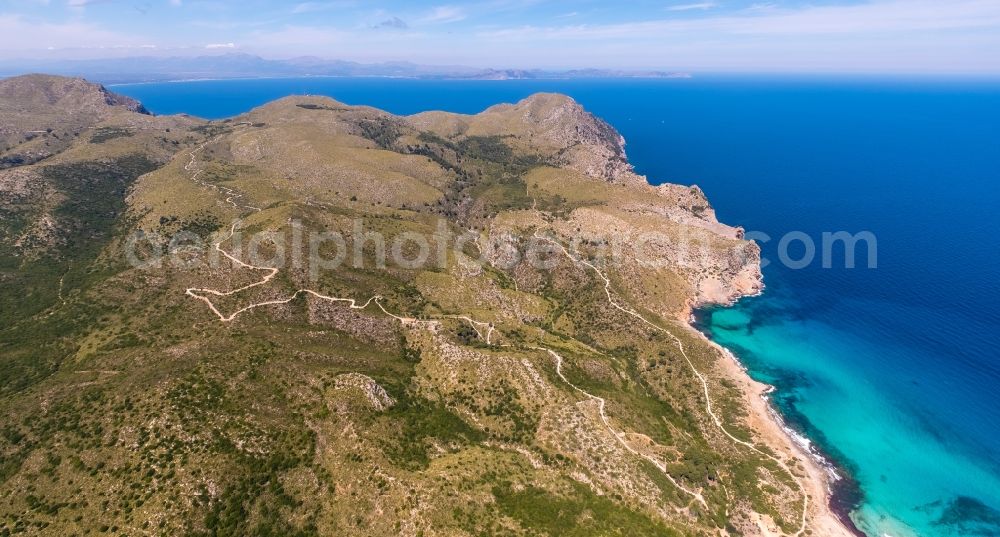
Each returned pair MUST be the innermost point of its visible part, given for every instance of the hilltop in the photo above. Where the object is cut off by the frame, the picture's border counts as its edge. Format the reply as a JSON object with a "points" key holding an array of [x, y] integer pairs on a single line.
{"points": [[523, 382], [42, 114]]}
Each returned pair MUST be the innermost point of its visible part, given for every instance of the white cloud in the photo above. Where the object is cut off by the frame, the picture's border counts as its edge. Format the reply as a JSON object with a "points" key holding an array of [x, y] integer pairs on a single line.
{"points": [[867, 35], [692, 7], [21, 34], [895, 16], [878, 36], [300, 39], [79, 4], [311, 7], [443, 15], [392, 23], [307, 7]]}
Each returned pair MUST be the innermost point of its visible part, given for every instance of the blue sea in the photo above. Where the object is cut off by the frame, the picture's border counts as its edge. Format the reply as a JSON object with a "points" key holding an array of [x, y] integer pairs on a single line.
{"points": [[892, 371]]}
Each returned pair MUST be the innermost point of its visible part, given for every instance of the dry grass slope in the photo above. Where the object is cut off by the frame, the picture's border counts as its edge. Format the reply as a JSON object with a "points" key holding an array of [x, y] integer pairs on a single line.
{"points": [[129, 408]]}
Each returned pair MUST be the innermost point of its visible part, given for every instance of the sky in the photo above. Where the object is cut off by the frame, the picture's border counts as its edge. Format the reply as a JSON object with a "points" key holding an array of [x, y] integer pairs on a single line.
{"points": [[894, 36]]}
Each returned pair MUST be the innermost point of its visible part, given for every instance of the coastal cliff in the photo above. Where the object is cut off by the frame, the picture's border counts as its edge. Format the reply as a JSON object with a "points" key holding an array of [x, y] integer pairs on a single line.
{"points": [[536, 376]]}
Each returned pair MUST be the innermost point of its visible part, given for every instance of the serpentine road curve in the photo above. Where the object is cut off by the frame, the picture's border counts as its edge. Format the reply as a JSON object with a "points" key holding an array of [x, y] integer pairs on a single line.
{"points": [[483, 329]]}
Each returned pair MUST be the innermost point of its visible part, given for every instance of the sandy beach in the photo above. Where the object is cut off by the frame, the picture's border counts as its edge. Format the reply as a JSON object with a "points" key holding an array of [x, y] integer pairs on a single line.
{"points": [[768, 429]]}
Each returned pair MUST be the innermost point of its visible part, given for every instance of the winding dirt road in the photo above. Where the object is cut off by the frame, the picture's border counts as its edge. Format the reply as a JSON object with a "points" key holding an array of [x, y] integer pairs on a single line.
{"points": [[619, 436], [698, 374], [483, 329]]}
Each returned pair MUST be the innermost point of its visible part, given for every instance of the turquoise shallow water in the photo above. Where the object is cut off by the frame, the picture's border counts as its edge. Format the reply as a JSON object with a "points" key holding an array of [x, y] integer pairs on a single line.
{"points": [[893, 371], [885, 428]]}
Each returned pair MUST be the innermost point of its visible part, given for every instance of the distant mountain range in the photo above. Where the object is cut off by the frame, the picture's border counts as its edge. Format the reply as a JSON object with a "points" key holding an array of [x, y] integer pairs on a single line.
{"points": [[158, 69]]}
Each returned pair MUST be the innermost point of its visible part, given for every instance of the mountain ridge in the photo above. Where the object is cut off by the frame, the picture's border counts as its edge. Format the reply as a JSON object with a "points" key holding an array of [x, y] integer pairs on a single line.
{"points": [[205, 391], [241, 65]]}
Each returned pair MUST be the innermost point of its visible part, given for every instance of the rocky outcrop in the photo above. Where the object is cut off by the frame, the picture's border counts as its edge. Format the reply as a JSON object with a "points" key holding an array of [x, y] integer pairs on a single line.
{"points": [[42, 115], [583, 141], [124, 101], [551, 125], [44, 94]]}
